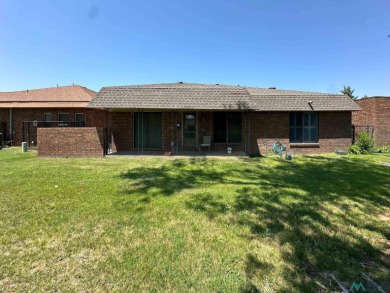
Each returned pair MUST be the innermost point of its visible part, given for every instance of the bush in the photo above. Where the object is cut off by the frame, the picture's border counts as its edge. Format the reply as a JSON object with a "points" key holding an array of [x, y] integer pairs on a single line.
{"points": [[365, 144], [354, 149], [384, 149]]}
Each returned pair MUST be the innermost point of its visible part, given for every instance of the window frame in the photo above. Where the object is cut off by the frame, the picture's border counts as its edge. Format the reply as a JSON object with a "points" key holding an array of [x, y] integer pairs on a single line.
{"points": [[303, 128]]}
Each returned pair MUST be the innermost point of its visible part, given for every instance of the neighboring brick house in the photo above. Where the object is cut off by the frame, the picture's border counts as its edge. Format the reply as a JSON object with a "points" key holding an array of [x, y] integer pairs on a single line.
{"points": [[56, 106], [376, 113], [157, 116]]}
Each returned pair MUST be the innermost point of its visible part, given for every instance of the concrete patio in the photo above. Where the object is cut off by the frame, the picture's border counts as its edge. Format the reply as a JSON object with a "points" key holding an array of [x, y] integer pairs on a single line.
{"points": [[180, 154]]}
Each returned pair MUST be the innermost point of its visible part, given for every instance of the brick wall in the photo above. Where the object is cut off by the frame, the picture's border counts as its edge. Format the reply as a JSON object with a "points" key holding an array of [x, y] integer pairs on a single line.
{"points": [[171, 133], [93, 118], [334, 131], [267, 127], [70, 142], [376, 112], [205, 125], [121, 130]]}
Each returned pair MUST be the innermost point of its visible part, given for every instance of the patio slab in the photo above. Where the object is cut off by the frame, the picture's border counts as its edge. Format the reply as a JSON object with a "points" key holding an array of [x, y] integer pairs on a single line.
{"points": [[183, 154]]}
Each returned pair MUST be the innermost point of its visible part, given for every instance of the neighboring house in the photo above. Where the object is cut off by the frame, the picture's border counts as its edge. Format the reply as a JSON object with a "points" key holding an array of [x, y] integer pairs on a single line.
{"points": [[376, 115], [21, 112], [248, 119]]}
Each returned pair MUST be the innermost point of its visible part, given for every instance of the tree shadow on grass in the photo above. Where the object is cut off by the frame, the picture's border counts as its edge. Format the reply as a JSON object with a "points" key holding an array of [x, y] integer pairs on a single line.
{"points": [[209, 204], [318, 244], [318, 208], [170, 178], [253, 265]]}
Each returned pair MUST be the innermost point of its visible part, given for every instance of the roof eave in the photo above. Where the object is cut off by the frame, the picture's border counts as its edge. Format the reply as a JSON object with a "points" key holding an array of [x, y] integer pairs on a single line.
{"points": [[44, 104]]}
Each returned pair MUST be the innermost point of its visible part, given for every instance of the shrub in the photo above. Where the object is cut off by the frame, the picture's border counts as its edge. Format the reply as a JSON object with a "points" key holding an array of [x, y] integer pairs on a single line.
{"points": [[354, 149], [365, 144], [384, 149]]}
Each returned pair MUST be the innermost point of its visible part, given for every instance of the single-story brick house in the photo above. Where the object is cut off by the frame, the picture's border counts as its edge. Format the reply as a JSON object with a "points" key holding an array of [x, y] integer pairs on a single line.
{"points": [[376, 114], [157, 116], [21, 112]]}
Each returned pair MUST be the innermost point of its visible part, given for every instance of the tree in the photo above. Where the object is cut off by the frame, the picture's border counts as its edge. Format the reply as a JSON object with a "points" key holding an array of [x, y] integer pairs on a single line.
{"points": [[348, 92]]}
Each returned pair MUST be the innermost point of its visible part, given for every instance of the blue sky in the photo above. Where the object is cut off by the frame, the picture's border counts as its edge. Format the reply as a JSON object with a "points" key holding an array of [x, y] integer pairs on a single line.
{"points": [[302, 45]]}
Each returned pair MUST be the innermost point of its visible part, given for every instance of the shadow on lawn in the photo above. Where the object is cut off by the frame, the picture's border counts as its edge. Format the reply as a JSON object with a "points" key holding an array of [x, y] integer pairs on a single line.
{"points": [[316, 208], [172, 177]]}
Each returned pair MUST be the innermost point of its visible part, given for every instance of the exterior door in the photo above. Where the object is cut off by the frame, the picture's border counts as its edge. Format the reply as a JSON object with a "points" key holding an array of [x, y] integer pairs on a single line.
{"points": [[189, 129], [148, 130]]}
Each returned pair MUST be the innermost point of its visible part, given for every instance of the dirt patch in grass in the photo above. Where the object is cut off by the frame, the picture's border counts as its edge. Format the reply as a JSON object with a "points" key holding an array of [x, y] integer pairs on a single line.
{"points": [[384, 217]]}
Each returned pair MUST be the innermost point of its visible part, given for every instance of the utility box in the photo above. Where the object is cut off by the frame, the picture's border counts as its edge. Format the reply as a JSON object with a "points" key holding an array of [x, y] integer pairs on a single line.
{"points": [[24, 147]]}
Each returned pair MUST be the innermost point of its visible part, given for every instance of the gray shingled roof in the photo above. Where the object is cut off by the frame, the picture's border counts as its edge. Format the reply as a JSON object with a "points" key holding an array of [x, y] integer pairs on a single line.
{"points": [[182, 96]]}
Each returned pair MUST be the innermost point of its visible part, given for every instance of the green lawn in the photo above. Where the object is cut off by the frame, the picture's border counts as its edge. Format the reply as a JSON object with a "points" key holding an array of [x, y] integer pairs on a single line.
{"points": [[165, 224]]}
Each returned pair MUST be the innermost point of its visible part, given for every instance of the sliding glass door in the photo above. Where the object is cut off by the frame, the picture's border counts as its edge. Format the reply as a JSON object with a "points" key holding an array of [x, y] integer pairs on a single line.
{"points": [[148, 129], [227, 127]]}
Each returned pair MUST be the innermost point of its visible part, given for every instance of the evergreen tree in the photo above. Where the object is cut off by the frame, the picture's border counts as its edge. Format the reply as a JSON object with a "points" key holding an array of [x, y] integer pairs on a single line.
{"points": [[349, 92]]}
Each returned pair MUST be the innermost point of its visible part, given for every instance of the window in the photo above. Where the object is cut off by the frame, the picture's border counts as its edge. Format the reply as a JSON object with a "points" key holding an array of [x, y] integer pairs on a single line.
{"points": [[80, 120], [63, 119], [227, 127], [46, 119], [303, 127]]}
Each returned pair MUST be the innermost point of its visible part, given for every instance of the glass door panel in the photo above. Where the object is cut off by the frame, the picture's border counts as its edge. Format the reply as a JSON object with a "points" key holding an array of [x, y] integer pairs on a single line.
{"points": [[189, 130], [148, 129]]}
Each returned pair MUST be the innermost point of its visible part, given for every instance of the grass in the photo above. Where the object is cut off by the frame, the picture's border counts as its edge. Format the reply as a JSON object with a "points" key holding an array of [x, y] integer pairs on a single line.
{"points": [[165, 224]]}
